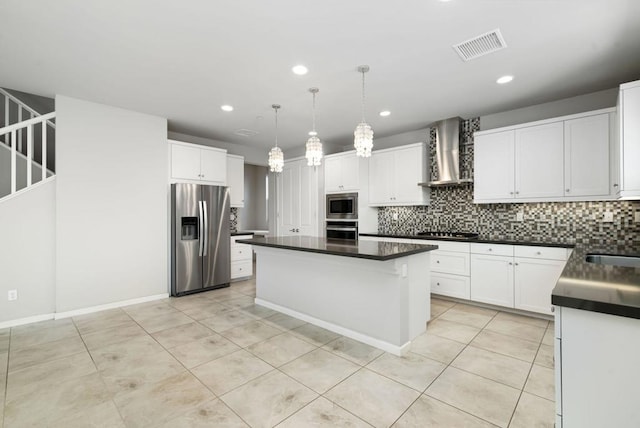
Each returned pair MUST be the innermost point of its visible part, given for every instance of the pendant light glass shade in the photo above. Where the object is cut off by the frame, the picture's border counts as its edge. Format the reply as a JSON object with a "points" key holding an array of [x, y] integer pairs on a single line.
{"points": [[314, 145], [276, 157], [363, 135]]}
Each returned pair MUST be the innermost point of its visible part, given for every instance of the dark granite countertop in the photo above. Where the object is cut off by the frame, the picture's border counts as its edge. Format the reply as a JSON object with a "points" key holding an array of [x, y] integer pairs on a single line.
{"points": [[240, 232], [481, 239], [601, 288], [372, 250]]}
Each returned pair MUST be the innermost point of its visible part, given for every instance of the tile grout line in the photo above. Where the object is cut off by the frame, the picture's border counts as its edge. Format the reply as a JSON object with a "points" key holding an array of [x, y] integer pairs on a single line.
{"points": [[523, 386]]}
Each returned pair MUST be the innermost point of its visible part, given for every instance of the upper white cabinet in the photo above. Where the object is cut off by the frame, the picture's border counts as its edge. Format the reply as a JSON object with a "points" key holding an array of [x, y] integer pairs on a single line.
{"points": [[586, 154], [341, 173], [539, 161], [629, 114], [560, 159], [235, 180], [298, 199], [194, 163], [394, 175]]}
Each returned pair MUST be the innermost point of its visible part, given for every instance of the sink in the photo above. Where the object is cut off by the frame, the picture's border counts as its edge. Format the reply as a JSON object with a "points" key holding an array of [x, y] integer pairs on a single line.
{"points": [[604, 259]]}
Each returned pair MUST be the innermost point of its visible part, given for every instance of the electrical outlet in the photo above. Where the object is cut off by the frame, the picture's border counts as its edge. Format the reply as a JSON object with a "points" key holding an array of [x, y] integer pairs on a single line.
{"points": [[395, 216], [636, 217], [12, 295], [607, 217], [520, 216]]}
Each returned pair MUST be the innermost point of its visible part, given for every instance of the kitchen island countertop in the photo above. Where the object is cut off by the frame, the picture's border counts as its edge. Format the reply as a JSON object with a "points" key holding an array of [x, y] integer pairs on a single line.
{"points": [[372, 250]]}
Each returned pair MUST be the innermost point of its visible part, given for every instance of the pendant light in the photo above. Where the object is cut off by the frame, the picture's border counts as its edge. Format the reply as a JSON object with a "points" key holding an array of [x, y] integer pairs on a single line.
{"points": [[276, 157], [363, 135], [314, 145]]}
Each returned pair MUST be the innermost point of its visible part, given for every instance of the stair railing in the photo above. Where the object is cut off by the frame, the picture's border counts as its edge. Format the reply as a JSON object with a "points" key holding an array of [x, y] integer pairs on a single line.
{"points": [[11, 102], [28, 125]]}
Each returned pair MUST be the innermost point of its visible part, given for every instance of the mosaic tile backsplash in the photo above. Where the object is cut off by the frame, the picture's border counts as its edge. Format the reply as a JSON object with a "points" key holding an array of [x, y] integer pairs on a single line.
{"points": [[233, 219], [452, 209]]}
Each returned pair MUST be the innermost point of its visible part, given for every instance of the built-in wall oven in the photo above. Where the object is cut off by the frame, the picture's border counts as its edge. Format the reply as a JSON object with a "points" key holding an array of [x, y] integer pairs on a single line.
{"points": [[342, 216], [343, 230], [342, 206]]}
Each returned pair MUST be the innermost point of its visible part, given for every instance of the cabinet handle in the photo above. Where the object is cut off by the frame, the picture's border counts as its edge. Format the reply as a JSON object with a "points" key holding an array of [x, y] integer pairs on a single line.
{"points": [[553, 308], [517, 192], [437, 261], [510, 264], [437, 283], [511, 193], [490, 249], [516, 264], [615, 185], [538, 253]]}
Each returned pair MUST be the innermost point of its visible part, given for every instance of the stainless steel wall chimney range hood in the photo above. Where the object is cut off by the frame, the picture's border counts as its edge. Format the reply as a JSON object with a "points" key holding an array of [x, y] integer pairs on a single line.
{"points": [[448, 154]]}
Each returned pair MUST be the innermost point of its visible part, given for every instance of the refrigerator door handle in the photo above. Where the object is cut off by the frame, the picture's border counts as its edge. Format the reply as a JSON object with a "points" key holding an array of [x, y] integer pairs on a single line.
{"points": [[202, 231], [206, 228]]}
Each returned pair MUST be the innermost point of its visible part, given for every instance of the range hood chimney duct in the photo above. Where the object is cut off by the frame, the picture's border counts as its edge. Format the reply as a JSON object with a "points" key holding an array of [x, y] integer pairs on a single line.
{"points": [[448, 154]]}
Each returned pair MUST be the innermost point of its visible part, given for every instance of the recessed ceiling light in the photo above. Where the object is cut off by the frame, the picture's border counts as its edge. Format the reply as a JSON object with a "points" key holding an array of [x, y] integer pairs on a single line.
{"points": [[300, 70], [226, 107], [504, 79], [385, 113]]}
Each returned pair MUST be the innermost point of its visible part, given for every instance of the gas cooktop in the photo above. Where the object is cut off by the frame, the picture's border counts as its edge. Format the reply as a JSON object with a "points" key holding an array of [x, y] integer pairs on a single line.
{"points": [[449, 234]]}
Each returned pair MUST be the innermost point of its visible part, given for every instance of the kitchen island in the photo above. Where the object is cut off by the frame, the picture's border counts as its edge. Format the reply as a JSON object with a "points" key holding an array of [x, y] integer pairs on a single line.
{"points": [[375, 292]]}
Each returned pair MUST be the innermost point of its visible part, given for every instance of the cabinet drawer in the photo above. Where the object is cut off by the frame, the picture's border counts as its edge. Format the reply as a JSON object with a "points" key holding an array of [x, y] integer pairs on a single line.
{"points": [[492, 249], [241, 269], [450, 285], [550, 253], [236, 237], [450, 262], [459, 247], [240, 252]]}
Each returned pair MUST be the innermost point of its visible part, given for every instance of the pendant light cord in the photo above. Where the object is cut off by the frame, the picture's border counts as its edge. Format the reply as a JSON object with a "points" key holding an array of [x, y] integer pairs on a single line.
{"points": [[363, 96], [314, 112], [276, 126]]}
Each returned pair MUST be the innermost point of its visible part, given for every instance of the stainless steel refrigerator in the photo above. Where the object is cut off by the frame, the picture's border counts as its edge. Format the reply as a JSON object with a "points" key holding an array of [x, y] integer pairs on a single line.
{"points": [[200, 230]]}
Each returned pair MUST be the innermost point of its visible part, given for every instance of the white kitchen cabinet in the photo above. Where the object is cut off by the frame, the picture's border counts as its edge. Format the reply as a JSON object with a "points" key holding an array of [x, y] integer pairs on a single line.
{"points": [[241, 258], [341, 173], [394, 175], [494, 166], [534, 280], [539, 167], [298, 199], [561, 159], [450, 269], [516, 276], [235, 180], [492, 279], [194, 163], [629, 144], [586, 155], [596, 369]]}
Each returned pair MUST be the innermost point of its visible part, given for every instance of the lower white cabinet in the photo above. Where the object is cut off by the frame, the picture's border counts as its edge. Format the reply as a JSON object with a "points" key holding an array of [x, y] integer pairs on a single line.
{"points": [[450, 269], [596, 366], [241, 258], [520, 277]]}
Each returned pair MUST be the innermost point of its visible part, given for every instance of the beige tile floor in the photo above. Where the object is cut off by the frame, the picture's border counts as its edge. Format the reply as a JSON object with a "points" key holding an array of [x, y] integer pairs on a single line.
{"points": [[216, 359]]}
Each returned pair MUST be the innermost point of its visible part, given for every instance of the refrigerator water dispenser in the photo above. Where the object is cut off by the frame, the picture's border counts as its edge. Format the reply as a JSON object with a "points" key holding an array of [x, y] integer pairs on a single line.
{"points": [[189, 228]]}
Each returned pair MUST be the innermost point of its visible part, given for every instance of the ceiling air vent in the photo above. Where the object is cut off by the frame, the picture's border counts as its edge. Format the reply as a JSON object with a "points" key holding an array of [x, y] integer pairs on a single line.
{"points": [[482, 45], [246, 132]]}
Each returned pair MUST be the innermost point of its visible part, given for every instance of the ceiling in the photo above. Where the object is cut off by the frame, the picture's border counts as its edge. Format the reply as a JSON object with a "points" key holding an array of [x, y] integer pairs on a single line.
{"points": [[183, 59]]}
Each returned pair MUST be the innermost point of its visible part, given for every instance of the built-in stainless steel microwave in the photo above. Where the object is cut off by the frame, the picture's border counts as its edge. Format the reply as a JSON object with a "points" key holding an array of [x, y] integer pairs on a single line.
{"points": [[342, 206]]}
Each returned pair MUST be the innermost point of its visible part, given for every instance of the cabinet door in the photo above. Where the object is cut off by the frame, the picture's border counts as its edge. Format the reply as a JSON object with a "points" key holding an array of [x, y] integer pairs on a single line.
{"points": [[350, 165], [381, 178], [494, 166], [213, 166], [586, 154], [630, 105], [533, 282], [540, 161], [289, 199], [185, 162], [492, 279], [235, 180], [308, 197], [409, 171], [333, 174]]}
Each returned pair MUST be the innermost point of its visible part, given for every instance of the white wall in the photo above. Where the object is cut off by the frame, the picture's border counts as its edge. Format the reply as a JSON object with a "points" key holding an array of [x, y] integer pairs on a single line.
{"points": [[111, 216], [251, 155], [27, 253], [567, 106], [21, 168]]}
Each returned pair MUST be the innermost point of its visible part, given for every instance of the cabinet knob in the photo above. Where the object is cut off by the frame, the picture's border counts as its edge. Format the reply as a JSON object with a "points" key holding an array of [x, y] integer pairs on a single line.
{"points": [[615, 185], [437, 261], [511, 193], [553, 308], [490, 249], [516, 264], [437, 283], [538, 252], [510, 264], [567, 190], [517, 193]]}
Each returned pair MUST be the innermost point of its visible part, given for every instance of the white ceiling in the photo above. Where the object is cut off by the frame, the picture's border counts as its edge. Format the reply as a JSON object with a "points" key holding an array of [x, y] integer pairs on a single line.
{"points": [[183, 59]]}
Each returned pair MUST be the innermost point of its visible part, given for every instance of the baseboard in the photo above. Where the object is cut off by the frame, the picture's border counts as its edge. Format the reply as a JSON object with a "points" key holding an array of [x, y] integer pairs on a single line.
{"points": [[27, 320], [114, 305]]}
